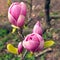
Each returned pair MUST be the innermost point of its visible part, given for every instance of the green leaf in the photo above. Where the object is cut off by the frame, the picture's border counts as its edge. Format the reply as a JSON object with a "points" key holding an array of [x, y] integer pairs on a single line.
{"points": [[45, 36], [9, 2], [26, 27], [42, 57], [49, 34], [48, 43], [13, 30], [29, 56], [3, 32]]}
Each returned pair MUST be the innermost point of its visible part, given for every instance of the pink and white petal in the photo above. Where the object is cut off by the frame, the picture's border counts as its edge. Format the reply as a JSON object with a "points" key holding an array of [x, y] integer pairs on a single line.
{"points": [[11, 19], [40, 37], [34, 37], [16, 3], [20, 21], [23, 8], [37, 28], [41, 46], [27, 37], [30, 45], [15, 11], [20, 47]]}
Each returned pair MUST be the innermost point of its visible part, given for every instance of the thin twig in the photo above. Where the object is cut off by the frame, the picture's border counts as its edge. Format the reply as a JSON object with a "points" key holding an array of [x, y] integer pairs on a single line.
{"points": [[30, 19], [43, 52], [30, 7], [20, 33], [24, 54], [55, 17], [27, 2]]}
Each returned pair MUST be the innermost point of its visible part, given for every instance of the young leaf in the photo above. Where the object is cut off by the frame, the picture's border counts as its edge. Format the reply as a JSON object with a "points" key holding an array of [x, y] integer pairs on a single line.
{"points": [[12, 49], [45, 36], [9, 2], [15, 26], [13, 30], [48, 44]]}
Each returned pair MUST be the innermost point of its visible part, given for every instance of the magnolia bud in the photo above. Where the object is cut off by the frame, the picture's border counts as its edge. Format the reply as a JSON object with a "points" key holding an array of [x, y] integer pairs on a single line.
{"points": [[20, 48], [37, 28]]}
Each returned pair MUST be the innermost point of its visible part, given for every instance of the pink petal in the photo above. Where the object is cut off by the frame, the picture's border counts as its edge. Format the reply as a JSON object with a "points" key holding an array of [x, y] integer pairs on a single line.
{"points": [[30, 45], [15, 11], [20, 21], [11, 19], [41, 46], [23, 9], [35, 38], [39, 37], [37, 28], [20, 47], [15, 3]]}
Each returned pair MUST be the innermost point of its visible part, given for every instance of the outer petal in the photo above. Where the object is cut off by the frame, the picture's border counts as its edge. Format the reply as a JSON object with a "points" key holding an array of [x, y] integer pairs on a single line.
{"points": [[15, 11], [41, 46], [11, 19], [31, 37], [23, 8], [40, 38], [37, 28], [20, 47], [16, 3], [20, 21], [30, 45]]}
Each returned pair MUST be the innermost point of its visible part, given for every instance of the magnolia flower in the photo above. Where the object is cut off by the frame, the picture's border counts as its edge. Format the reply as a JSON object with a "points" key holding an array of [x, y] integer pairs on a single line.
{"points": [[37, 28], [16, 13], [33, 42], [20, 48]]}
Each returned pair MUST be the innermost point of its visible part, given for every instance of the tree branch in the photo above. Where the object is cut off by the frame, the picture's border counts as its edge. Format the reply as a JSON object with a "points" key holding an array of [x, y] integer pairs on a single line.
{"points": [[55, 17], [43, 52], [24, 54], [47, 11], [30, 16]]}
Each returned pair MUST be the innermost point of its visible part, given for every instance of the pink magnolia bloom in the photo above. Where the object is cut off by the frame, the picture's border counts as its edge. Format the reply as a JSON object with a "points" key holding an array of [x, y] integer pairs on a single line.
{"points": [[33, 42], [20, 48], [16, 13], [37, 28]]}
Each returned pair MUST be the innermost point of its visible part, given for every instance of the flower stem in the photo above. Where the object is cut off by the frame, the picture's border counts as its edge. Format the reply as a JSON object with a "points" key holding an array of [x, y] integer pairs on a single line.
{"points": [[20, 33], [23, 55]]}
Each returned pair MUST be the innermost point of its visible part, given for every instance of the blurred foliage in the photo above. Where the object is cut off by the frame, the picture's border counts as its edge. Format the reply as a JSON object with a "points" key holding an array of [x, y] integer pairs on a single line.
{"points": [[9, 56], [42, 57], [47, 35], [29, 56], [9, 2], [14, 38], [41, 14], [3, 32], [54, 13], [5, 38]]}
